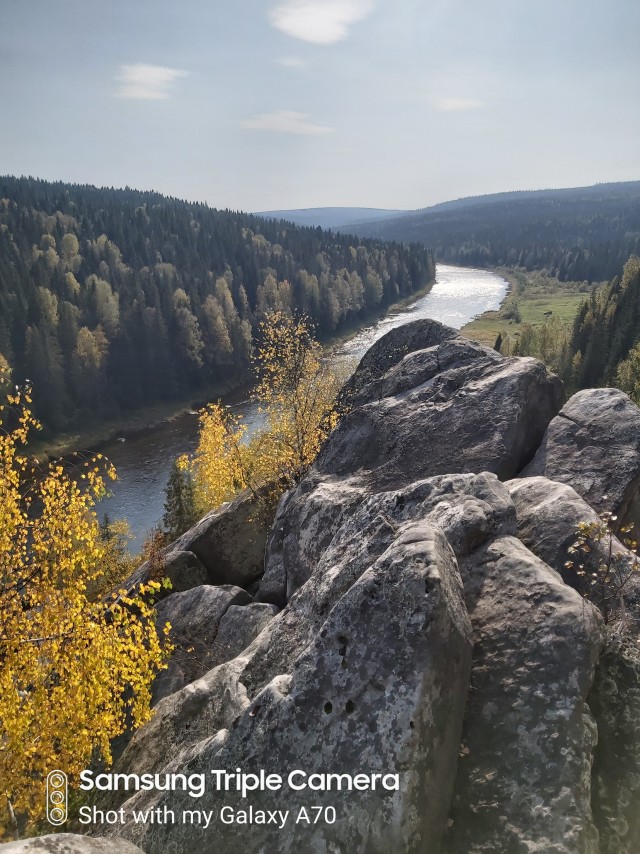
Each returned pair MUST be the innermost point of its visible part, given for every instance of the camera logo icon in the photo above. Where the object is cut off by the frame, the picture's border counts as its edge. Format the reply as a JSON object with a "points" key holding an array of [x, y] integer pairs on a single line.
{"points": [[57, 791]]}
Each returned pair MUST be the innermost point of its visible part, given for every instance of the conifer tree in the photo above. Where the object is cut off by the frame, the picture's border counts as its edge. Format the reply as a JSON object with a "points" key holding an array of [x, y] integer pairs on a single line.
{"points": [[179, 506]]}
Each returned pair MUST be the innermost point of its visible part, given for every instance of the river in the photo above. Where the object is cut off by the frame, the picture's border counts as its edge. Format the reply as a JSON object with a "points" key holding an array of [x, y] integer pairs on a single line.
{"points": [[144, 459]]}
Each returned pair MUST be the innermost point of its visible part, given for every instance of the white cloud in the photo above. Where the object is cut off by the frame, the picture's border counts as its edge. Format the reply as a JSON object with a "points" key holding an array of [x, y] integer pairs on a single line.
{"points": [[454, 105], [319, 21], [291, 62], [147, 82], [285, 121]]}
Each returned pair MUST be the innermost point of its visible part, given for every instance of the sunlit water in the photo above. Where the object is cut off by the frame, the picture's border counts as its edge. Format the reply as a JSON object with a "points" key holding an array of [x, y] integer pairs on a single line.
{"points": [[144, 460], [458, 296]]}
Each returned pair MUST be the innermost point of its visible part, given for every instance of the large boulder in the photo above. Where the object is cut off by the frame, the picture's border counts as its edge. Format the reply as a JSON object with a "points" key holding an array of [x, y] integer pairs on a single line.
{"points": [[379, 688], [389, 351], [549, 515], [524, 782], [195, 616], [319, 517], [239, 627], [230, 541], [70, 843], [471, 410], [594, 445], [181, 568], [225, 547]]}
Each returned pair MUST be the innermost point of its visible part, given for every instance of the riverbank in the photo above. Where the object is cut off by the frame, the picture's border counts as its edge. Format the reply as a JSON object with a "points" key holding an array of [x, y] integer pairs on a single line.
{"points": [[149, 417], [145, 418], [532, 299]]}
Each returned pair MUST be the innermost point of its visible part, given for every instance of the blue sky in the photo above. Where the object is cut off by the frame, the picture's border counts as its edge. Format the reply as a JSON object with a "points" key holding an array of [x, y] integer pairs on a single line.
{"points": [[263, 104]]}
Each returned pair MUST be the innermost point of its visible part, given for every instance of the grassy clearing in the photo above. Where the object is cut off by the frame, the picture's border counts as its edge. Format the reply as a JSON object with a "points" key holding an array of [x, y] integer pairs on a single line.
{"points": [[532, 299]]}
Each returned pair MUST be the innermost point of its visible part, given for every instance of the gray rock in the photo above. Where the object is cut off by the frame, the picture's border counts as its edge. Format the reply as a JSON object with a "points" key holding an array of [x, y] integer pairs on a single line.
{"points": [[239, 627], [524, 780], [230, 541], [225, 547], [313, 520], [306, 523], [195, 616], [184, 720], [476, 412], [354, 540], [594, 445], [380, 688], [615, 702], [388, 351], [366, 667], [549, 514], [182, 568], [70, 843]]}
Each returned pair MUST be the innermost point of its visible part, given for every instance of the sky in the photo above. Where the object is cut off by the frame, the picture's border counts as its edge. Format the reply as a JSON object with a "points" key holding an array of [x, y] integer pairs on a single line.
{"points": [[275, 104]]}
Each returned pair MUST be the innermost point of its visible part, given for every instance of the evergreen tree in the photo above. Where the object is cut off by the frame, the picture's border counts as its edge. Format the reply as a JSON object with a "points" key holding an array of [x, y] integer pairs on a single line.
{"points": [[179, 506]]}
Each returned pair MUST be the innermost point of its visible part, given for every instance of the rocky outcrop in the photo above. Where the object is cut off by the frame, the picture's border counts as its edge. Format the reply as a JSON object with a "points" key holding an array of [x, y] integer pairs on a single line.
{"points": [[615, 701], [525, 776], [230, 541], [389, 352], [240, 626], [70, 843], [381, 685], [209, 625], [195, 617], [181, 568], [594, 446], [548, 515], [205, 608], [471, 410], [468, 508], [213, 702], [413, 618], [225, 547]]}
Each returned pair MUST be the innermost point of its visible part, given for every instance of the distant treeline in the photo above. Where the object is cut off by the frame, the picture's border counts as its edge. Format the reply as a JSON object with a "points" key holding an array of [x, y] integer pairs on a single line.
{"points": [[578, 234], [113, 299]]}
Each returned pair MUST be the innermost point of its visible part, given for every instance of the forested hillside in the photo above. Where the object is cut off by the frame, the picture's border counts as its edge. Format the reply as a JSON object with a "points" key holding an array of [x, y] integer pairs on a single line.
{"points": [[599, 345], [606, 333], [578, 234], [113, 299]]}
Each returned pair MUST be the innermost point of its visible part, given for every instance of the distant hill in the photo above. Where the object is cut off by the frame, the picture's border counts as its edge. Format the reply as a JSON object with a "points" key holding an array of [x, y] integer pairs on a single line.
{"points": [[577, 234], [334, 218]]}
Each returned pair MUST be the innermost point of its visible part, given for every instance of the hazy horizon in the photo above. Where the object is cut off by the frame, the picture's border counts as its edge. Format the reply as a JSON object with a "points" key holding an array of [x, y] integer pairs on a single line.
{"points": [[292, 104]]}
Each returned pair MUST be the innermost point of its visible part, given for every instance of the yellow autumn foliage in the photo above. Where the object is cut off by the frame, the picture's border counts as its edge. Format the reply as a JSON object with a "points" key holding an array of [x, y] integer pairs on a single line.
{"points": [[296, 394], [75, 669]]}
